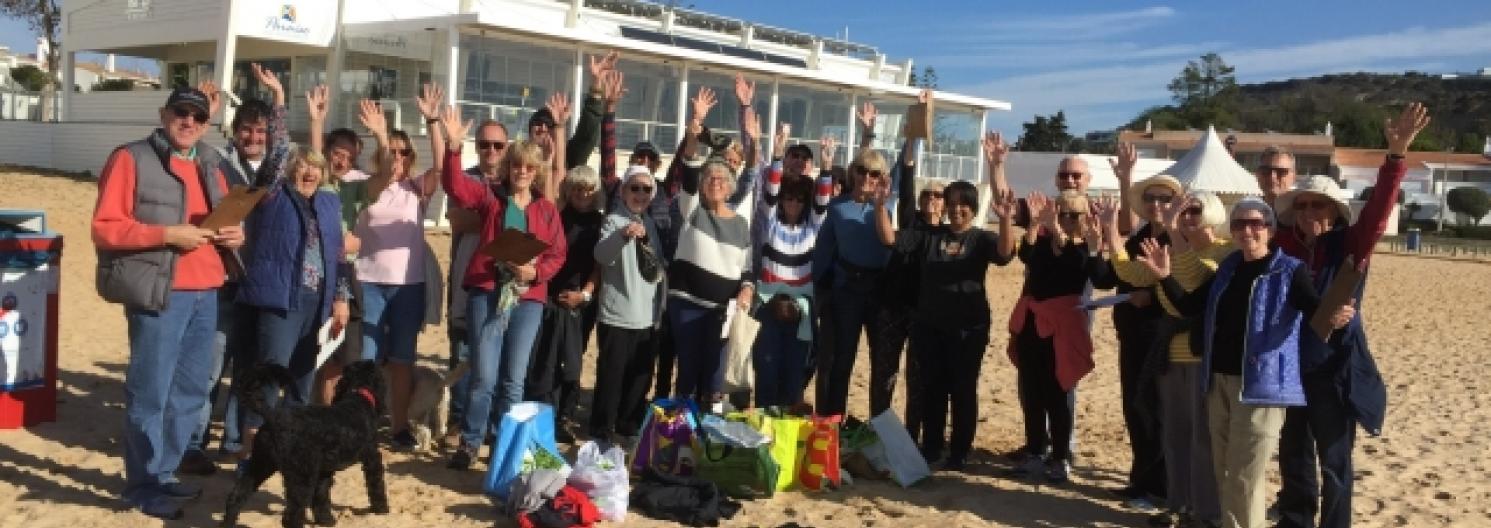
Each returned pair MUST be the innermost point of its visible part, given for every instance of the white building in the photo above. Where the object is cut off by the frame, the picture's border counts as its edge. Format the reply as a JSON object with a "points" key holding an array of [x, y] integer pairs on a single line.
{"points": [[500, 58]]}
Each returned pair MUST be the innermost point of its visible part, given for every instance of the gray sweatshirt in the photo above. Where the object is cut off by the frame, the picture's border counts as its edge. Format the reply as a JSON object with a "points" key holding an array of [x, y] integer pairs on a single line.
{"points": [[626, 299]]}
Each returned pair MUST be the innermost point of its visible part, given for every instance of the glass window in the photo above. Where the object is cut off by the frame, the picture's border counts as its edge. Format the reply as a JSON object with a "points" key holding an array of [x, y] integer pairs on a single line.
{"points": [[955, 150], [725, 118], [508, 81], [392, 81], [813, 114], [649, 110]]}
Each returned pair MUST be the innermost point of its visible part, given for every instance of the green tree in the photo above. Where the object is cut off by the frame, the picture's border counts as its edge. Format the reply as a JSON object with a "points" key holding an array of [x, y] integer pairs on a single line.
{"points": [[29, 77], [1159, 118], [927, 79], [1045, 134], [43, 17], [1206, 92], [114, 85], [1469, 201]]}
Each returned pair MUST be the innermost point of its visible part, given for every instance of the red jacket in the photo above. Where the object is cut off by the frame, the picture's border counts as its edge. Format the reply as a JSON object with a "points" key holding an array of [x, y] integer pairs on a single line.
{"points": [[1362, 236], [543, 222], [1059, 317]]}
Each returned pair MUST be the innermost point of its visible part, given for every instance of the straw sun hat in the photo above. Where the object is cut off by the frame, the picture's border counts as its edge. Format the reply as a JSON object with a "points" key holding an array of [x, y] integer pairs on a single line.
{"points": [[1321, 186], [1136, 192]]}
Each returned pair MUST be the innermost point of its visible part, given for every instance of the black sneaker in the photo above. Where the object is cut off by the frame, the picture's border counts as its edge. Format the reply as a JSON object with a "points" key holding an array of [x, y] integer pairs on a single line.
{"points": [[180, 490], [462, 458], [196, 463], [954, 463], [403, 441]]}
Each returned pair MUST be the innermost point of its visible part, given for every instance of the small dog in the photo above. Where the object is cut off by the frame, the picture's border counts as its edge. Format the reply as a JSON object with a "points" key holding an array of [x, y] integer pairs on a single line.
{"points": [[308, 445], [429, 403]]}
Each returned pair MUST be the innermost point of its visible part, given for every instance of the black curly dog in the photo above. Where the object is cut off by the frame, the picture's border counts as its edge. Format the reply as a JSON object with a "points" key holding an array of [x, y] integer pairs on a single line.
{"points": [[308, 445]]}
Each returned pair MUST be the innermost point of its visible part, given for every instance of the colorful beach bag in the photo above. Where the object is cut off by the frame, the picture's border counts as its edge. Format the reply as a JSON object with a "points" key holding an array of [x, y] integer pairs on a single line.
{"points": [[667, 442], [819, 468], [787, 436], [737, 457], [525, 442]]}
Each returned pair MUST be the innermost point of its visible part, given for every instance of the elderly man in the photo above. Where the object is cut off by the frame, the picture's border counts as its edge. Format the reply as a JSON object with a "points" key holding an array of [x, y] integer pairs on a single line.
{"points": [[166, 271], [1275, 173]]}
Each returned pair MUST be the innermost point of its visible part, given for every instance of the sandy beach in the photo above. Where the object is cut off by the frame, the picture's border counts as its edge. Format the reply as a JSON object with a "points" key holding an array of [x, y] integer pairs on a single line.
{"points": [[1428, 468]]}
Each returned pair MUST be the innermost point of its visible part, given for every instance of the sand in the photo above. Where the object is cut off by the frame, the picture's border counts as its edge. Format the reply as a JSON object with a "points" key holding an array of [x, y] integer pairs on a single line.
{"points": [[1429, 468]]}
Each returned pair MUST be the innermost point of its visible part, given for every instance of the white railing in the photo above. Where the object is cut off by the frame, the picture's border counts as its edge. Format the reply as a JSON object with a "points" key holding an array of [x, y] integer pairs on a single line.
{"points": [[22, 105]]}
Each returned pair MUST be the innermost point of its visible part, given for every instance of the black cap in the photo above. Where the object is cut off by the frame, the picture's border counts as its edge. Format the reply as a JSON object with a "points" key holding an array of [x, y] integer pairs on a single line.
{"points": [[802, 149], [645, 147], [542, 116], [187, 95]]}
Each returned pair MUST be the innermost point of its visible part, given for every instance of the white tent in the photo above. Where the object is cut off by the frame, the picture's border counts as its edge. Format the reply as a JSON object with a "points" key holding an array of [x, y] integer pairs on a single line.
{"points": [[1209, 167], [1036, 171]]}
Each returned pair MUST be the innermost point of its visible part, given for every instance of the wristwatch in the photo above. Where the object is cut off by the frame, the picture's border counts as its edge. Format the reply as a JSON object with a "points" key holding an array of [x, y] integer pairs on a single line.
{"points": [[585, 296]]}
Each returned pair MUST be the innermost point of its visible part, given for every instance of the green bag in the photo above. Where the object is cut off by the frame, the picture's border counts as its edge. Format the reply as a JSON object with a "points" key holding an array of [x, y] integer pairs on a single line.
{"points": [[739, 472], [788, 434]]}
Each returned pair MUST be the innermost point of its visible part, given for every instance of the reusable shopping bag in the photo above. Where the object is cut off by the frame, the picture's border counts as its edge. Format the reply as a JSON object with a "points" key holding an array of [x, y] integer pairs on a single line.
{"points": [[525, 442], [895, 451], [740, 371], [737, 458], [666, 441], [820, 454], [787, 436]]}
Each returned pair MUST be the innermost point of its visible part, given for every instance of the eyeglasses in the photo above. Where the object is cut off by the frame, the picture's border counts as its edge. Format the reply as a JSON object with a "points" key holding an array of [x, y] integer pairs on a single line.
{"points": [[1157, 198], [1277, 172], [403, 152], [182, 112], [640, 189], [490, 145], [1311, 205], [1069, 175], [1070, 215], [1191, 211], [1240, 224]]}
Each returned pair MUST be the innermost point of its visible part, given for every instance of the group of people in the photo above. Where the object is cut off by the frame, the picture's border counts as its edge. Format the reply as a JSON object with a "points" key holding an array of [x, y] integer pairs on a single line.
{"points": [[1218, 360]]}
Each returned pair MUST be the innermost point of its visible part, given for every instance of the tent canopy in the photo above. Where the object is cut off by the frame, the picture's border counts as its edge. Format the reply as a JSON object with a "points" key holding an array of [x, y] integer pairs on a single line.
{"points": [[1209, 167]]}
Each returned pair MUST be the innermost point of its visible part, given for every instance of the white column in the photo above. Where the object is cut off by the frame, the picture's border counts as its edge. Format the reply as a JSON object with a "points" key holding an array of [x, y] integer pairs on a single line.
{"points": [[227, 52], [577, 92], [69, 77], [334, 60], [985, 185], [850, 132], [683, 101], [771, 120], [435, 213], [572, 17]]}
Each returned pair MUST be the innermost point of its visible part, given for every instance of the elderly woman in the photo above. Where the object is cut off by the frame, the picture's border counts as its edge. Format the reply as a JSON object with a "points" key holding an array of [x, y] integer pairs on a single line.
{"points": [[1193, 224], [1049, 340], [295, 244], [1250, 372], [631, 306], [505, 302], [950, 329], [711, 266]]}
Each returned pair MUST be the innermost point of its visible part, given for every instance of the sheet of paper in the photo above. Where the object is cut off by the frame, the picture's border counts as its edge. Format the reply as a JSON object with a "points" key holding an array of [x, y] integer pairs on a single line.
{"points": [[1336, 295], [1104, 302], [234, 207], [328, 342]]}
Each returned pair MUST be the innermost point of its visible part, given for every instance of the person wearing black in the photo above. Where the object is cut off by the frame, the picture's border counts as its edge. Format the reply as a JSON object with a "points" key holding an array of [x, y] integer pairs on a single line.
{"points": [[950, 328], [1254, 370], [1050, 343]]}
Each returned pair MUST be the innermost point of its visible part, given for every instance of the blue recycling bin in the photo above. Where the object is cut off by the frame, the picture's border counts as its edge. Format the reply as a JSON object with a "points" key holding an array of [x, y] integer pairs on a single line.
{"points": [[30, 271], [1413, 240]]}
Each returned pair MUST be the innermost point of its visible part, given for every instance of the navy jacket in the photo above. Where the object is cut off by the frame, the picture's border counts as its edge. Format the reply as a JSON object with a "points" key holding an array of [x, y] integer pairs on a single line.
{"points": [[1271, 347], [275, 246], [1346, 358]]}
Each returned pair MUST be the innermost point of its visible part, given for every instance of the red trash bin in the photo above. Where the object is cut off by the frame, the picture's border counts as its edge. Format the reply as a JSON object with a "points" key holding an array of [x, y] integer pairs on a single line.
{"points": [[30, 271]]}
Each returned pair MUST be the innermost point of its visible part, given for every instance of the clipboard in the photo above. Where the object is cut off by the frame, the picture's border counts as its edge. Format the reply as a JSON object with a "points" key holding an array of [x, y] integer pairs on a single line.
{"points": [[514, 247], [1341, 289], [233, 208]]}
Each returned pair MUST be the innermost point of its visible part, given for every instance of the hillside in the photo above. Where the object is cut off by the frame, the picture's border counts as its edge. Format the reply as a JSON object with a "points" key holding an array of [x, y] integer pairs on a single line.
{"points": [[1355, 104]]}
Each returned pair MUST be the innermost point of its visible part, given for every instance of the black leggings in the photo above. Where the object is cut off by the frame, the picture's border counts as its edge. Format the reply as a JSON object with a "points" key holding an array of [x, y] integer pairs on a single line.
{"points": [[1047, 409], [950, 360]]}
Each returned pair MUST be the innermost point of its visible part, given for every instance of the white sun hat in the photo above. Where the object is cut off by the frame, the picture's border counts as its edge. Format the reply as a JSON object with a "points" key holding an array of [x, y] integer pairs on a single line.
{"points": [[1314, 185]]}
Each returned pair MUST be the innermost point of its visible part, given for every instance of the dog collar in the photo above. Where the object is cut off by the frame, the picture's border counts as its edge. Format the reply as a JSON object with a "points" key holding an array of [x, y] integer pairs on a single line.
{"points": [[368, 395]]}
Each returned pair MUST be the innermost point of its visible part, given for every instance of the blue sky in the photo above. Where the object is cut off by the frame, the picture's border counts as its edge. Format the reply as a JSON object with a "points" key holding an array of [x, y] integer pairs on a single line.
{"points": [[1104, 61]]}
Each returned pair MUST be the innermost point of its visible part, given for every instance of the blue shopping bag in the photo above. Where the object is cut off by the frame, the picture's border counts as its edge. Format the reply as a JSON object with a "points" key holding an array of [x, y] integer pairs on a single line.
{"points": [[525, 441]]}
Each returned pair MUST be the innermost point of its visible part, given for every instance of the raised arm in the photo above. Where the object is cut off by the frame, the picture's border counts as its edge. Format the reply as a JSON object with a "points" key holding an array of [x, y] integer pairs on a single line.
{"points": [[430, 101], [613, 84], [1157, 259], [464, 192], [1005, 206], [701, 104], [866, 116], [1123, 168], [883, 228], [558, 106], [316, 105], [278, 149], [587, 131], [995, 153], [372, 118], [1373, 220], [745, 92], [904, 176]]}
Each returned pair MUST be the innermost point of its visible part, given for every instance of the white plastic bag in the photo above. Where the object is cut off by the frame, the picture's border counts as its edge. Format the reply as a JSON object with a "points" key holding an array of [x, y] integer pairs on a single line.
{"points": [[895, 451], [603, 478], [740, 370]]}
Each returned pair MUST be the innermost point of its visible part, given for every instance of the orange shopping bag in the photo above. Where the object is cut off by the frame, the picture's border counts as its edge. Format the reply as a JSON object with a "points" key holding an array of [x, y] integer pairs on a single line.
{"points": [[820, 464]]}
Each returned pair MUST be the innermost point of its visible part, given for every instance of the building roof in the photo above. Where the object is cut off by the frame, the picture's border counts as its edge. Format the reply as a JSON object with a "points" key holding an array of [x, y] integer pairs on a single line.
{"points": [[1246, 141], [1209, 167], [1372, 158], [103, 73]]}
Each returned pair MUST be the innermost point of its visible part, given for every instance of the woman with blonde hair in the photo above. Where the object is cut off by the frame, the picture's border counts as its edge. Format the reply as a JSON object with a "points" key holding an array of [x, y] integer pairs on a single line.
{"points": [[506, 300]]}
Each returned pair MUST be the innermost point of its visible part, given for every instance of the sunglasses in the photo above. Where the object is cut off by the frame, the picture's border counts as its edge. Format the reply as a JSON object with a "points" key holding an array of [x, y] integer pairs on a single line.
{"points": [[1311, 205], [182, 112], [1239, 224], [1069, 175], [403, 152], [1191, 211], [871, 173], [1070, 215], [640, 189], [1277, 172], [1157, 198], [490, 145]]}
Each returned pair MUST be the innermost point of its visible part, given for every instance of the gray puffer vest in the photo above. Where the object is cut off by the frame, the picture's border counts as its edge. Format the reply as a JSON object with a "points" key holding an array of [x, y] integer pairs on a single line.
{"points": [[142, 279]]}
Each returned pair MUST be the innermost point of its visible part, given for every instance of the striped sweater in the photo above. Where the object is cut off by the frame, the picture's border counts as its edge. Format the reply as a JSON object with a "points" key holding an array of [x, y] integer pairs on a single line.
{"points": [[713, 257], [787, 250], [1191, 269]]}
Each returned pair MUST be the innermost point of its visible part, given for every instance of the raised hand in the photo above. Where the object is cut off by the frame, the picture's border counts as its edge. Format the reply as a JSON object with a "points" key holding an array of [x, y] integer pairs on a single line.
{"points": [[1105, 209], [751, 126], [371, 116], [214, 96], [558, 106], [613, 87], [1400, 131], [924, 96], [1092, 231], [316, 103], [1038, 205], [745, 91], [1004, 204], [1156, 257], [828, 146], [867, 115], [702, 103], [1123, 165], [1170, 213], [602, 64], [270, 81], [430, 101], [455, 129], [995, 150], [779, 141]]}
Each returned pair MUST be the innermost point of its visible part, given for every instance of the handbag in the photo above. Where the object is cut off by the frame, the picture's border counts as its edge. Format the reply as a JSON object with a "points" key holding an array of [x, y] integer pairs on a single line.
{"points": [[740, 367], [819, 468], [737, 458], [666, 441]]}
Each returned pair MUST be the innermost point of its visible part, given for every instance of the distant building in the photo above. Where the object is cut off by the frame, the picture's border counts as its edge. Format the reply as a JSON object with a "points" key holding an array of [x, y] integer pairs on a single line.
{"points": [[85, 74], [1312, 152]]}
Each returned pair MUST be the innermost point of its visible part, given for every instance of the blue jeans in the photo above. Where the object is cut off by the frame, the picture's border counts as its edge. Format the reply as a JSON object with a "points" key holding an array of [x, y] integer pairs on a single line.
{"points": [[391, 317], [503, 341], [165, 384], [779, 358], [234, 351], [696, 339], [288, 338]]}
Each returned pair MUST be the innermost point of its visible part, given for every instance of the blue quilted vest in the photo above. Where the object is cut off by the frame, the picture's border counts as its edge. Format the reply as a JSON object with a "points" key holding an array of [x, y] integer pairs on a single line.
{"points": [[275, 246], [1270, 369]]}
